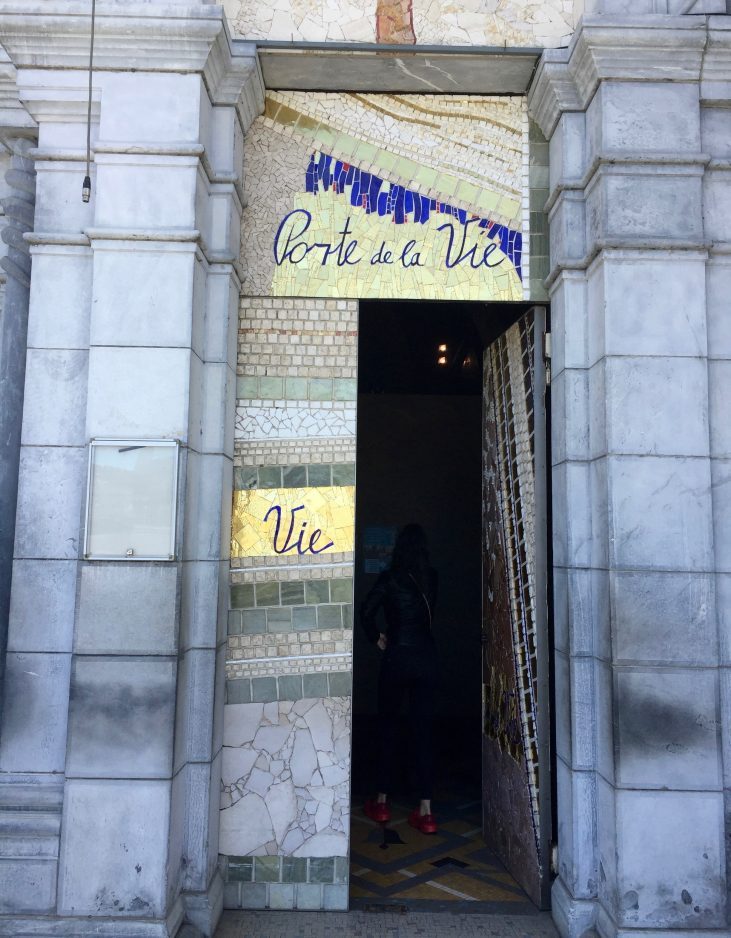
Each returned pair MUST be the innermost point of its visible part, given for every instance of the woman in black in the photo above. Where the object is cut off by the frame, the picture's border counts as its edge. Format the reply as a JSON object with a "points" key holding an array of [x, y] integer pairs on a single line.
{"points": [[406, 593]]}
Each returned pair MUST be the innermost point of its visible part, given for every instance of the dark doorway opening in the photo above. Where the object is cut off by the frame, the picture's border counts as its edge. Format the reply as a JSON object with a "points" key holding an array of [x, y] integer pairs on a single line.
{"points": [[419, 459]]}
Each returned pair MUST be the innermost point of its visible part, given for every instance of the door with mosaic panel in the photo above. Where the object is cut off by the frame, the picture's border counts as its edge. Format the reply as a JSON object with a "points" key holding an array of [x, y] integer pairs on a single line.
{"points": [[286, 759], [515, 742]]}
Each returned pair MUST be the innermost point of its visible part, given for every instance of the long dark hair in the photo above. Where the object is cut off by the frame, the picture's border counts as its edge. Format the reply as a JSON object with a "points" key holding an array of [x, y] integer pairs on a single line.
{"points": [[410, 555]]}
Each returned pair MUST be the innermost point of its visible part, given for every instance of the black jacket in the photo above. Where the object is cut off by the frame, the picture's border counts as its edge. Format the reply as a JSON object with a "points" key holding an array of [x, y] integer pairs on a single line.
{"points": [[408, 610]]}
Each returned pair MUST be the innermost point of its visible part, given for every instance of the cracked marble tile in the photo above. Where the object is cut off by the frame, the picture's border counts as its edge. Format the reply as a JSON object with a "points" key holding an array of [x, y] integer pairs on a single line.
{"points": [[285, 779]]}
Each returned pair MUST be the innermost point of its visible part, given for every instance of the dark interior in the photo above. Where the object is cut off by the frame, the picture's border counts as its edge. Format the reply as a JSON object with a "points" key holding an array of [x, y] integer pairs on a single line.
{"points": [[419, 459]]}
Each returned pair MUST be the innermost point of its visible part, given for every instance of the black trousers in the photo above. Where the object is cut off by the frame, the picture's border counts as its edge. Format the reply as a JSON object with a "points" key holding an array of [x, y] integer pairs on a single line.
{"points": [[407, 672]]}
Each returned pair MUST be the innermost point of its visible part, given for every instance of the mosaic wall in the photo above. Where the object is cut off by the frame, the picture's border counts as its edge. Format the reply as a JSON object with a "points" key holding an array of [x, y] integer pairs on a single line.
{"points": [[275, 522], [286, 756], [386, 196], [427, 22]]}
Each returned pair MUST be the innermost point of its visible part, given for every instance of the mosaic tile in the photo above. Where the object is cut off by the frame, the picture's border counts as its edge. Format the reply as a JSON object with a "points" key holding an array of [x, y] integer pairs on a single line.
{"points": [[314, 662], [297, 389], [281, 896], [279, 618], [436, 212], [345, 389], [258, 422], [293, 594], [238, 692], [242, 596], [240, 869], [342, 869], [317, 591], [329, 617], [245, 478], [289, 754], [274, 567], [247, 387], [308, 896], [234, 622], [263, 689], [319, 475], [270, 477], [264, 523], [341, 684], [315, 685], [267, 869], [253, 621], [321, 389], [304, 618], [354, 20], [341, 591], [322, 869], [253, 896], [295, 477], [344, 475], [267, 594], [294, 869]]}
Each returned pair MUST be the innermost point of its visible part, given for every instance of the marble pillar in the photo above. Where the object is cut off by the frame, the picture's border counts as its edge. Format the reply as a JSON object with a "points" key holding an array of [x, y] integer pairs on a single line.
{"points": [[638, 473], [18, 195], [115, 669]]}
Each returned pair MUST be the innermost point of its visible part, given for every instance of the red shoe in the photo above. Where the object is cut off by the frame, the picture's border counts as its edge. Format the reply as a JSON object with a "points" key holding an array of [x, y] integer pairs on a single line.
{"points": [[378, 811], [423, 822]]}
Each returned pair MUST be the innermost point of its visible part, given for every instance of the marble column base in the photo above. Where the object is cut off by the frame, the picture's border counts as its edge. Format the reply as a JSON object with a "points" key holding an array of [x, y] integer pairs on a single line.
{"points": [[574, 918], [607, 928], [203, 909], [29, 926]]}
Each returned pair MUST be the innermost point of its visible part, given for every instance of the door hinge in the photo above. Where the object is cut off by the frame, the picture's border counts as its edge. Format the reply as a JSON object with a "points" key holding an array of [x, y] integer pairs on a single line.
{"points": [[547, 356]]}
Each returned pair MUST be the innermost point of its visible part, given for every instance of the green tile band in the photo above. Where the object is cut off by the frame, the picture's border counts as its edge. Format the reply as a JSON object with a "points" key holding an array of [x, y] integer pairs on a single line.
{"points": [[294, 477], [267, 388], [289, 687], [288, 870], [337, 590]]}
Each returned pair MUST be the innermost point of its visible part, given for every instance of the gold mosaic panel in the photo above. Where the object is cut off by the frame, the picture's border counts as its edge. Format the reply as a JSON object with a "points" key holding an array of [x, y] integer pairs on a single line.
{"points": [[297, 523], [386, 196]]}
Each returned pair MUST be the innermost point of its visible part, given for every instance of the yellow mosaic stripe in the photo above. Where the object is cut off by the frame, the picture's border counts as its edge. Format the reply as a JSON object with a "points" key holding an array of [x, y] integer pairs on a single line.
{"points": [[316, 521]]}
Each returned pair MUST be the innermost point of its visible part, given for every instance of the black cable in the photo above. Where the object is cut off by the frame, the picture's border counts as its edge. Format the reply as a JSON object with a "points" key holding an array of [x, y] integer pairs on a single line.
{"points": [[86, 187]]}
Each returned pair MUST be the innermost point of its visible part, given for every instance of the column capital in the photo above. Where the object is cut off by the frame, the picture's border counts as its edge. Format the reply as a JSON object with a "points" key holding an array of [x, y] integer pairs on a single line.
{"points": [[629, 48], [15, 121], [139, 36]]}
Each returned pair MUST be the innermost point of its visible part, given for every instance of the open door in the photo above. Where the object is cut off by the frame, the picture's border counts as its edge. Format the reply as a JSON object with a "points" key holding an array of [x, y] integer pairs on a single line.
{"points": [[515, 671]]}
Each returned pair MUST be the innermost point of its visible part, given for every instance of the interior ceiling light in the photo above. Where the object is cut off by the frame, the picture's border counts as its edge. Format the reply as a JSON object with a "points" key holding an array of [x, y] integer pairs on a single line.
{"points": [[442, 348], [442, 360]]}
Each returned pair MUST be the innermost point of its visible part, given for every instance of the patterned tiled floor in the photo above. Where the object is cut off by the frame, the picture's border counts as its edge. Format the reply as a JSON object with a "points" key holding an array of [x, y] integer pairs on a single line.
{"points": [[396, 866]]}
